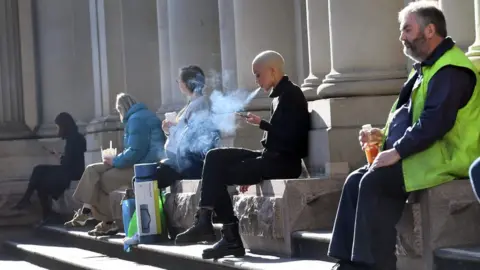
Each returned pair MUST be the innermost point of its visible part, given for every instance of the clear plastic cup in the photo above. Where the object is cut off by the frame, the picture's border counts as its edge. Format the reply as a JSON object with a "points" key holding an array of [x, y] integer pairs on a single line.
{"points": [[371, 150]]}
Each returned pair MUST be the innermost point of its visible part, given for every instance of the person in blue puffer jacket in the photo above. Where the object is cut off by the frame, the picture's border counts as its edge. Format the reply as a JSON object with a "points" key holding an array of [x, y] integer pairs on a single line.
{"points": [[143, 143]]}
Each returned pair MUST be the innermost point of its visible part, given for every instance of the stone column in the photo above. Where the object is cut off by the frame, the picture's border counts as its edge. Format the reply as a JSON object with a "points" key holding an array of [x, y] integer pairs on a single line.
{"points": [[255, 32], [12, 121], [365, 60], [132, 49], [318, 46], [368, 69], [460, 16], [474, 49], [29, 73], [164, 56], [125, 57], [64, 61], [194, 39], [301, 38], [227, 44]]}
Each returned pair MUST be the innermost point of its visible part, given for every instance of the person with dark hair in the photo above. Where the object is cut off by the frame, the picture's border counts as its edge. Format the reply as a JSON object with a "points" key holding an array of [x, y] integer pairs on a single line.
{"points": [[192, 134], [430, 138], [284, 141], [50, 181]]}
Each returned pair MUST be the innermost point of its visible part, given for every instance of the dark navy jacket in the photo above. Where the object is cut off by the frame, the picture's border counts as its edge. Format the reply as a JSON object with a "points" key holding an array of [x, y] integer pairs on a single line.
{"points": [[448, 90]]}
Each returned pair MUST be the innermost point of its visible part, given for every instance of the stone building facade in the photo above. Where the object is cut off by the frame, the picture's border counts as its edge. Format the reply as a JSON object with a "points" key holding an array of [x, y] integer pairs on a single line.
{"points": [[75, 56]]}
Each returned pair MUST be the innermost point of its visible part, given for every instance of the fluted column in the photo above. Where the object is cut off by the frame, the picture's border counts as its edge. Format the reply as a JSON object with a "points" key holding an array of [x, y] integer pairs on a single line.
{"points": [[164, 57], [318, 46], [460, 16], [474, 50], [64, 62], [12, 121], [132, 49], [227, 44], [365, 60], [254, 33], [194, 39], [301, 38]]}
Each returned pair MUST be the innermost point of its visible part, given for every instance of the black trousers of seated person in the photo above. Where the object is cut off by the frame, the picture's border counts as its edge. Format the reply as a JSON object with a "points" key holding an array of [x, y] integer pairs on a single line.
{"points": [[50, 181], [371, 204], [237, 166]]}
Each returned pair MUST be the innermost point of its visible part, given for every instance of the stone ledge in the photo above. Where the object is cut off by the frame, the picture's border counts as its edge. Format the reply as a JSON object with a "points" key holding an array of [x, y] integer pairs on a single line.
{"points": [[270, 212], [444, 216], [66, 205], [182, 201]]}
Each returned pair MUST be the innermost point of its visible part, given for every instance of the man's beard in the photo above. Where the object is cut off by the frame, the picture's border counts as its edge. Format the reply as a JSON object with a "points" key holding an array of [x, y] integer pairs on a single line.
{"points": [[414, 49]]}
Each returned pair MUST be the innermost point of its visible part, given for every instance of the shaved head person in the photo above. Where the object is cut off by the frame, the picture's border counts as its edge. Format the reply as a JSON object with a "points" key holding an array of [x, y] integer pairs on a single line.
{"points": [[285, 143]]}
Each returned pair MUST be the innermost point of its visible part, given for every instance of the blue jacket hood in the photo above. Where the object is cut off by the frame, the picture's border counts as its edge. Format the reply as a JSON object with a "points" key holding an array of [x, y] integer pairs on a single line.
{"points": [[135, 108]]}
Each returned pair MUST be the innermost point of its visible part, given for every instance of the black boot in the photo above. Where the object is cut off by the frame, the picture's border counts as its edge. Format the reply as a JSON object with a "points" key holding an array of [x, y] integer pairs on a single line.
{"points": [[230, 244], [201, 231]]}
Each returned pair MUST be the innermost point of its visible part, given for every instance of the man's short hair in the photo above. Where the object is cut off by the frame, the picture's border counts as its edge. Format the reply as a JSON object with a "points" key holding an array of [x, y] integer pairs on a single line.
{"points": [[427, 12], [271, 58]]}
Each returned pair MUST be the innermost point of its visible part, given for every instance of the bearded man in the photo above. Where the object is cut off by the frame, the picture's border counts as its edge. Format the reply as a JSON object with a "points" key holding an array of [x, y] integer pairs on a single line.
{"points": [[431, 137]]}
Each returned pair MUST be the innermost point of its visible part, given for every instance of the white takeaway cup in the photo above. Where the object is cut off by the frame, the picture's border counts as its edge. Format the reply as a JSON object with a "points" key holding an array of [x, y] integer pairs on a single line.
{"points": [[171, 117]]}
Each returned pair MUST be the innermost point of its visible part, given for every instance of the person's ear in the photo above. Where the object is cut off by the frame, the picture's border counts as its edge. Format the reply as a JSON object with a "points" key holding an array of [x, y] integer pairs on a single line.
{"points": [[429, 30]]}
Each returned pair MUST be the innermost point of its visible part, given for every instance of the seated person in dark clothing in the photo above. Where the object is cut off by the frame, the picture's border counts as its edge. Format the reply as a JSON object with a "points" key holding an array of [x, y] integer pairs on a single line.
{"points": [[191, 136], [50, 181], [285, 143], [431, 137]]}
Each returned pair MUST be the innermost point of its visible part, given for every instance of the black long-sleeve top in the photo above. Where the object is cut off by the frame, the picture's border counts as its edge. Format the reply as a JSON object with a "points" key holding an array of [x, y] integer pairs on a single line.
{"points": [[287, 131], [73, 158]]}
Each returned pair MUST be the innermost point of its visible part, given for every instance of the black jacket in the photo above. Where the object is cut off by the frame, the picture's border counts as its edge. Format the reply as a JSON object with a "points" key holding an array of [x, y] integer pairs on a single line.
{"points": [[73, 158], [287, 131]]}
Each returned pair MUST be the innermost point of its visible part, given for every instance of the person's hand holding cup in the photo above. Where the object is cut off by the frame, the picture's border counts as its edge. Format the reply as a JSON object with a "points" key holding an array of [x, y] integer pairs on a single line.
{"points": [[372, 136], [170, 120], [108, 155]]}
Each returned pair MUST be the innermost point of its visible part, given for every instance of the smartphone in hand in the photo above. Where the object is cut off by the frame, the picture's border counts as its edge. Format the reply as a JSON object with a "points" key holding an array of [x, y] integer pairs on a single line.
{"points": [[242, 114]]}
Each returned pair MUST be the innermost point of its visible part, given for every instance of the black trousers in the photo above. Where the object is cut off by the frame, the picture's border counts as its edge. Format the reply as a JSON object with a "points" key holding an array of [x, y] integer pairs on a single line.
{"points": [[371, 204], [238, 166], [49, 181]]}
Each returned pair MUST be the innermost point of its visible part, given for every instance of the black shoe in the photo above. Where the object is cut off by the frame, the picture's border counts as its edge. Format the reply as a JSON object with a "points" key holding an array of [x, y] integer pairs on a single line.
{"points": [[348, 265], [230, 245], [201, 231]]}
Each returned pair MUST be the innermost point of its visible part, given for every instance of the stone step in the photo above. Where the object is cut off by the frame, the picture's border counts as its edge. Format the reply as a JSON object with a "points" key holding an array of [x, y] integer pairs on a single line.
{"points": [[9, 262], [312, 244], [168, 256], [53, 255], [458, 258]]}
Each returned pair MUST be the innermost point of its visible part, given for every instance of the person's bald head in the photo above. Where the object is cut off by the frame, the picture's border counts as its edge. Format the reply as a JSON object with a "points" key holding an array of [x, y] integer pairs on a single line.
{"points": [[268, 68]]}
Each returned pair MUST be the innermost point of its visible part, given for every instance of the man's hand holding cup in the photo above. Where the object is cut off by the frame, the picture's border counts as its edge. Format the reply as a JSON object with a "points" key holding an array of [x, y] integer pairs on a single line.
{"points": [[374, 136]]}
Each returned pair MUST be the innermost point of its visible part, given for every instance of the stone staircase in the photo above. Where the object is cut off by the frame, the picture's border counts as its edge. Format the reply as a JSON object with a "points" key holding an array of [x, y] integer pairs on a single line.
{"points": [[55, 247], [450, 208]]}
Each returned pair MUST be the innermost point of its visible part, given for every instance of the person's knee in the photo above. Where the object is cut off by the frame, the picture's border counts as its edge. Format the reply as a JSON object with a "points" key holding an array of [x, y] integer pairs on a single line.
{"points": [[214, 154], [474, 173], [38, 169], [353, 181], [475, 170], [370, 181]]}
